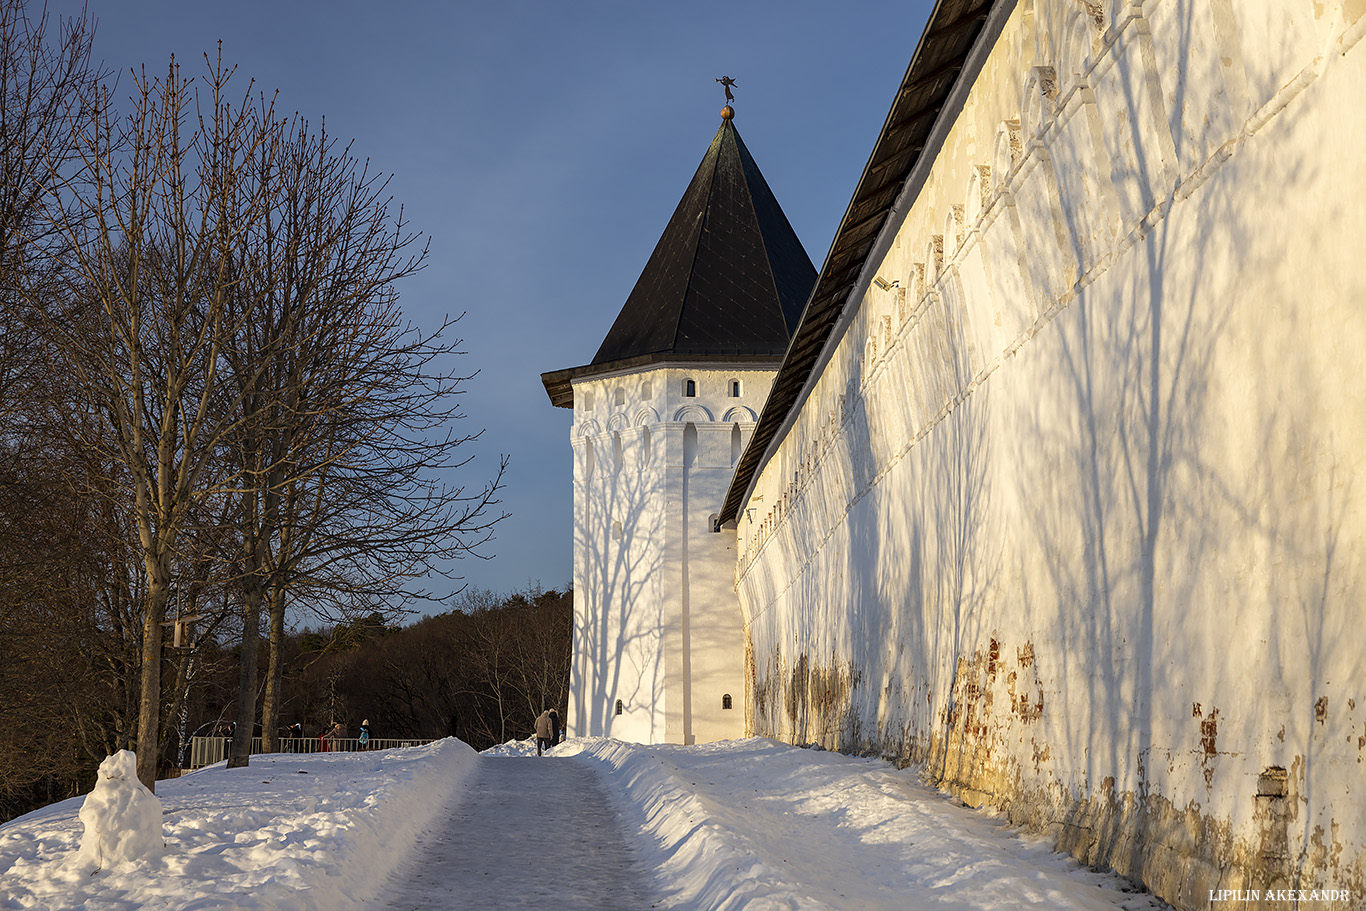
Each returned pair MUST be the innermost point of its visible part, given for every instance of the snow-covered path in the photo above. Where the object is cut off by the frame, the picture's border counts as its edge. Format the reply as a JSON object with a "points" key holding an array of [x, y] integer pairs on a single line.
{"points": [[529, 833]]}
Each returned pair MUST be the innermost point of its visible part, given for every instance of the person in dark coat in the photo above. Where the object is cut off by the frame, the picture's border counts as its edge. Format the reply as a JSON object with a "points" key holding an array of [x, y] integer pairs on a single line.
{"points": [[555, 729], [545, 732]]}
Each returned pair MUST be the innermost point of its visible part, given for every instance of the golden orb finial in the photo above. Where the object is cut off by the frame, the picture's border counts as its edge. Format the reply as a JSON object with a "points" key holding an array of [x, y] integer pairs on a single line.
{"points": [[727, 113]]}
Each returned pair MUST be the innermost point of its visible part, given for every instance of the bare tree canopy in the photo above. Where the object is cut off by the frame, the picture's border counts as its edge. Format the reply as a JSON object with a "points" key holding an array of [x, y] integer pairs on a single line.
{"points": [[202, 342]]}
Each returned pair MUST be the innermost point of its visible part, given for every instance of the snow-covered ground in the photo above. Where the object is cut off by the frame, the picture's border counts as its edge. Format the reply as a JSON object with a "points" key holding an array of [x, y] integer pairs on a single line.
{"points": [[748, 824]]}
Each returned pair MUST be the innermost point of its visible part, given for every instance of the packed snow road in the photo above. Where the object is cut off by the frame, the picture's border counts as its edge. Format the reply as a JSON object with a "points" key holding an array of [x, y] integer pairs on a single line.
{"points": [[529, 833]]}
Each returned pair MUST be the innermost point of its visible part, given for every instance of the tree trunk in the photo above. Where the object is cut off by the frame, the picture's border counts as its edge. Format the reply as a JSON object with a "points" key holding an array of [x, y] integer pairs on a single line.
{"points": [[240, 754], [149, 697], [270, 709]]}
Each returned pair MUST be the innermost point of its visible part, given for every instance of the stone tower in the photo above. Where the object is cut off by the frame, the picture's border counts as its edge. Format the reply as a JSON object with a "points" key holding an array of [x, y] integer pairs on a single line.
{"points": [[661, 415]]}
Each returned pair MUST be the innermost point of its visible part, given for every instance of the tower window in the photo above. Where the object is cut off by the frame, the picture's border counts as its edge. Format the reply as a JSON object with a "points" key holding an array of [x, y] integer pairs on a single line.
{"points": [[619, 397], [690, 389], [735, 389], [714, 522], [588, 401], [619, 707], [726, 702]]}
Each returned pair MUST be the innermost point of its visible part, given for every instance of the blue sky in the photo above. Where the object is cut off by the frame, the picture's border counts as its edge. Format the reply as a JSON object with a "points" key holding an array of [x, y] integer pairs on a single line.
{"points": [[542, 147]]}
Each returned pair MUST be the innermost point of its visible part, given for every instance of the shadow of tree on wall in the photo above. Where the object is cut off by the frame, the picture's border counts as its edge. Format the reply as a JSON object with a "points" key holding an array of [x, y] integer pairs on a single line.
{"points": [[621, 574], [1170, 491], [1157, 530], [862, 675]]}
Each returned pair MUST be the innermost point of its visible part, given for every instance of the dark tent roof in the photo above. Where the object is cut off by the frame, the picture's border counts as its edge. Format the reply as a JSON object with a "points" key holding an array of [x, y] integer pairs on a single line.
{"points": [[727, 280]]}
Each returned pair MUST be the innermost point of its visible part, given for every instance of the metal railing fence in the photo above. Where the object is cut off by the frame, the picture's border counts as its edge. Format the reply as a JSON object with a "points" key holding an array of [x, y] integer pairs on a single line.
{"points": [[208, 750]]}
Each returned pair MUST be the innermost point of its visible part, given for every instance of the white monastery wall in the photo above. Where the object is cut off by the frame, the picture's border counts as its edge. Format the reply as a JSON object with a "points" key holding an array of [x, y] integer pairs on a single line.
{"points": [[1072, 515], [656, 620]]}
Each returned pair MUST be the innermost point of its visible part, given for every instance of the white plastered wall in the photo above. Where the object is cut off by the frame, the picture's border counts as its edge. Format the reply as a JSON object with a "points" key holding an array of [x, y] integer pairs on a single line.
{"points": [[1072, 515], [656, 620]]}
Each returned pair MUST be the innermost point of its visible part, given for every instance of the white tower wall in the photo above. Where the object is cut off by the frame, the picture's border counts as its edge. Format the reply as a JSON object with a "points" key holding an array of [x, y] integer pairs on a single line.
{"points": [[657, 624]]}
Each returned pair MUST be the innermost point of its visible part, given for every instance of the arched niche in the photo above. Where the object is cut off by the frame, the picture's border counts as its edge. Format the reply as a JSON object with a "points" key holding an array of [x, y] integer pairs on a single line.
{"points": [[1007, 149], [979, 193], [695, 413], [934, 259], [953, 231], [618, 422], [587, 428], [646, 416], [1038, 101], [739, 413], [1083, 40]]}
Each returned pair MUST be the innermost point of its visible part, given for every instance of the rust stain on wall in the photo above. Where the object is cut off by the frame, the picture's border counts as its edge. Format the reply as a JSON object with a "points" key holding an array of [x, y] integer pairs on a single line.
{"points": [[1209, 732]]}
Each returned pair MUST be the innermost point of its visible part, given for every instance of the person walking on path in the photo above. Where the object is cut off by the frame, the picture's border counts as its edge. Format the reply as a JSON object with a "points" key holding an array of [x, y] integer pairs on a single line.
{"points": [[365, 734], [555, 729], [545, 732]]}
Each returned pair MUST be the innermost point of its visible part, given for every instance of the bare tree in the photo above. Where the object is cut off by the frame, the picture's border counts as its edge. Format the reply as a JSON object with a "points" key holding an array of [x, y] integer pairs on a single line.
{"points": [[151, 219], [346, 425]]}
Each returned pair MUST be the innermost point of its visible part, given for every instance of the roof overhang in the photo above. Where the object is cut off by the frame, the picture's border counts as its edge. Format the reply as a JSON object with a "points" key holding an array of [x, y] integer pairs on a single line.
{"points": [[559, 383], [912, 133]]}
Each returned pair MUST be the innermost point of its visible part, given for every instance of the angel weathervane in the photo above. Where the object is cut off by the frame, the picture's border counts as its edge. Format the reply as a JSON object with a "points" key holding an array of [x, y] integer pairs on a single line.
{"points": [[727, 83]]}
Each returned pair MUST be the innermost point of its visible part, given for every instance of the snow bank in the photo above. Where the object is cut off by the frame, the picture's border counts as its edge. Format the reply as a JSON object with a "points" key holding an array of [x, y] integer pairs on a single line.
{"points": [[763, 826], [122, 817], [512, 748], [318, 832]]}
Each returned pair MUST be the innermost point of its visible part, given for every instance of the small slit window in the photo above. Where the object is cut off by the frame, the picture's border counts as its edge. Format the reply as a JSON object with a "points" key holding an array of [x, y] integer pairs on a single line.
{"points": [[588, 401], [619, 707], [714, 522], [735, 389], [726, 702], [619, 397], [689, 389]]}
